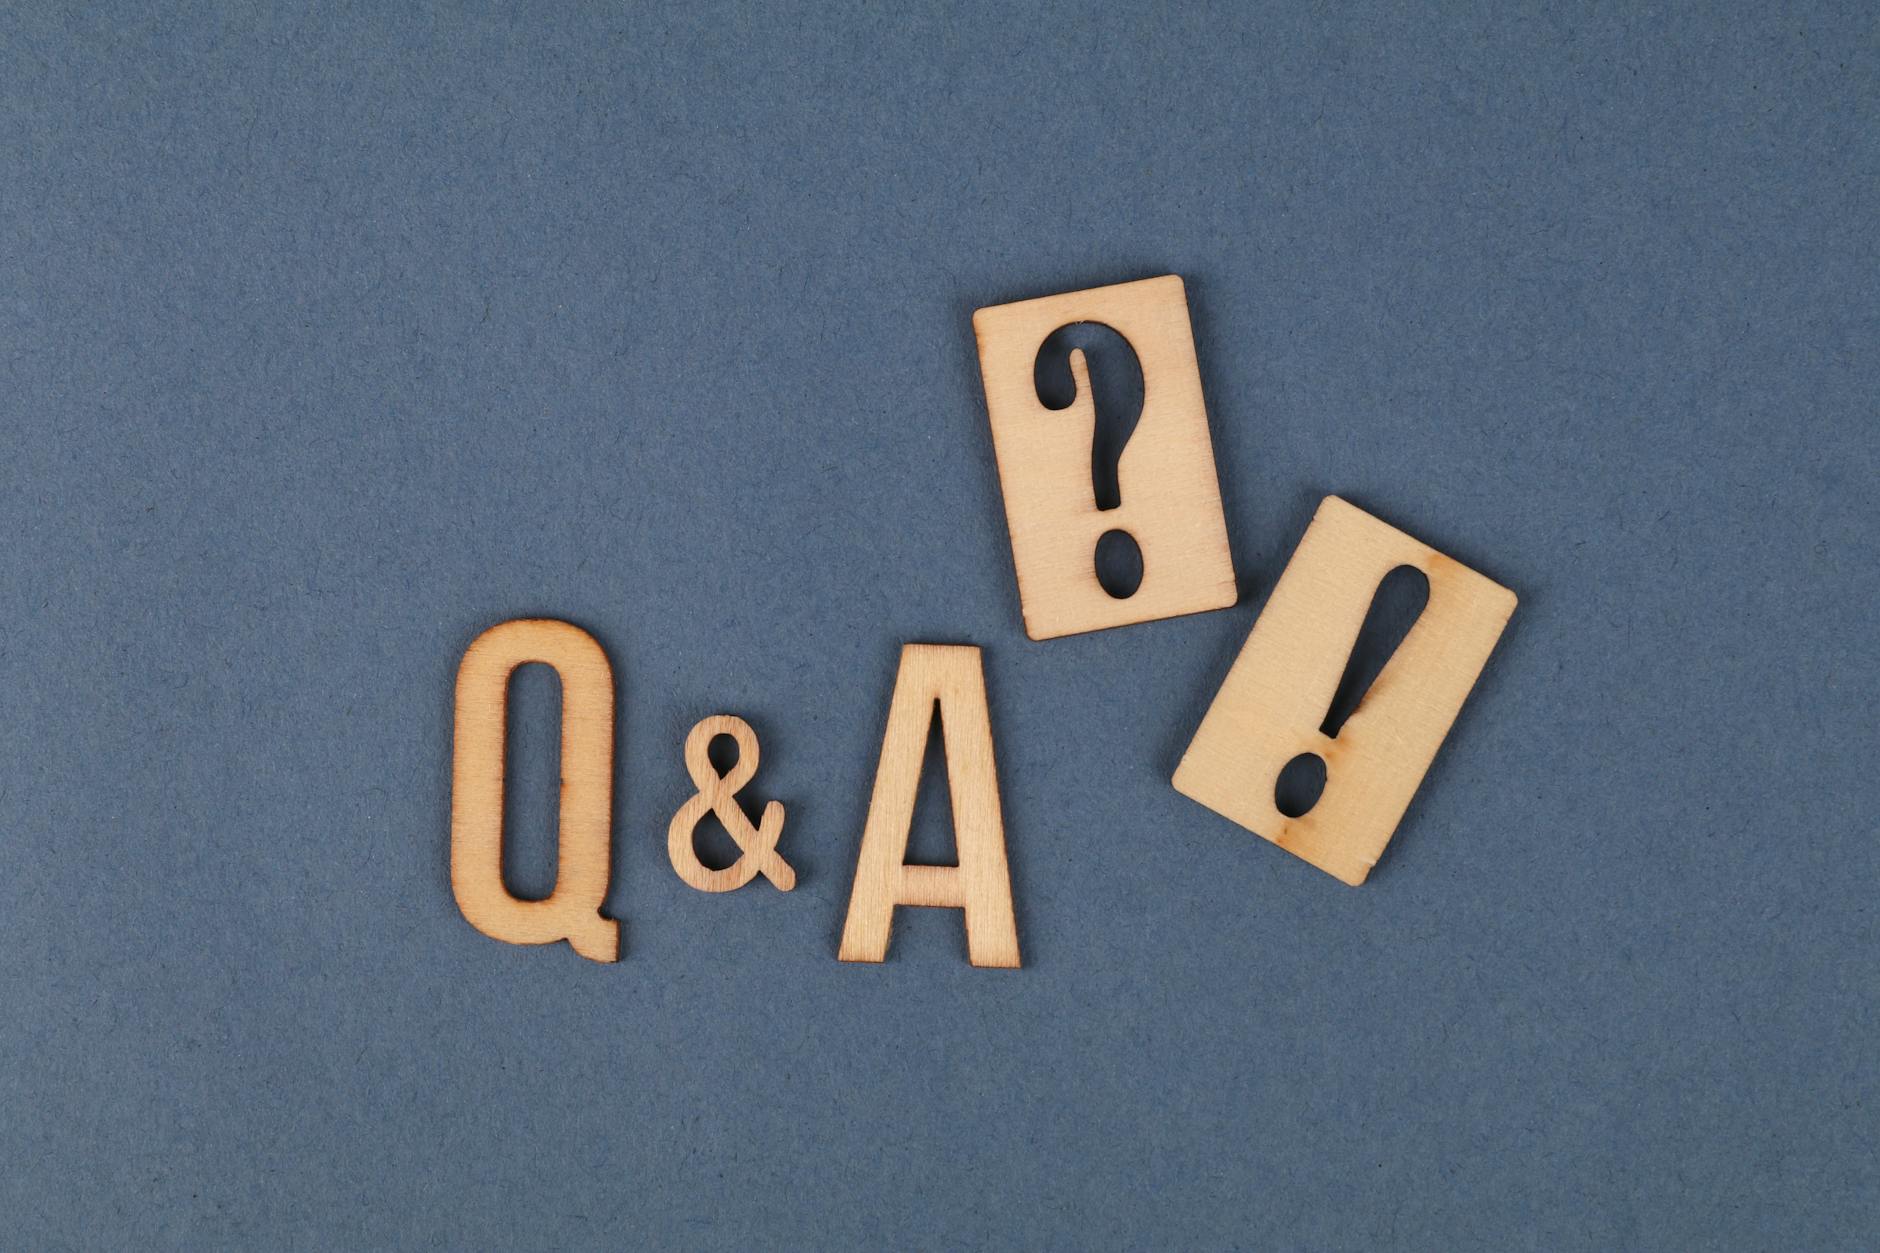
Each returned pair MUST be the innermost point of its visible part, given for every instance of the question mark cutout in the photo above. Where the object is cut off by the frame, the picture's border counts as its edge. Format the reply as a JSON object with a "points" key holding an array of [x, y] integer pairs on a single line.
{"points": [[1061, 374], [1075, 385]]}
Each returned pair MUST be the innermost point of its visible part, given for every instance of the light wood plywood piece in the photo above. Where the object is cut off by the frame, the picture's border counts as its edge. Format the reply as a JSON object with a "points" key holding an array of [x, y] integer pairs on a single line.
{"points": [[572, 911], [757, 845], [981, 885], [1170, 497], [1270, 707]]}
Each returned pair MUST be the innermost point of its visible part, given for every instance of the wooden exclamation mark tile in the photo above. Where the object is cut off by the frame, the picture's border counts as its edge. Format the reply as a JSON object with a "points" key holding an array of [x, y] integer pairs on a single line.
{"points": [[1272, 709]]}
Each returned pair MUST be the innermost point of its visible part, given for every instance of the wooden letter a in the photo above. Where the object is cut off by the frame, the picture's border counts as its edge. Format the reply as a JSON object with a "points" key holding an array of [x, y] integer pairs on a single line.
{"points": [[981, 884]]}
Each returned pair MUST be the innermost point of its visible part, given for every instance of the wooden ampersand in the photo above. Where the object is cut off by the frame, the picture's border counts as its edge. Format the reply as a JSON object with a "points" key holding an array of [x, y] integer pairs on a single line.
{"points": [[1271, 706], [981, 885], [716, 794], [1169, 499], [572, 911]]}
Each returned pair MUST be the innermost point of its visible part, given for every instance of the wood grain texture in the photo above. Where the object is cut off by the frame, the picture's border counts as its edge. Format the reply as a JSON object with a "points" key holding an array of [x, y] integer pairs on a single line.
{"points": [[572, 911], [716, 793], [981, 884], [1170, 497], [1275, 697]]}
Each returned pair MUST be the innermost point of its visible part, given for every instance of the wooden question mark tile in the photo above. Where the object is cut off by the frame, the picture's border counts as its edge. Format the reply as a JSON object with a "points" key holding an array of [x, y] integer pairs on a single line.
{"points": [[1273, 706], [1168, 499]]}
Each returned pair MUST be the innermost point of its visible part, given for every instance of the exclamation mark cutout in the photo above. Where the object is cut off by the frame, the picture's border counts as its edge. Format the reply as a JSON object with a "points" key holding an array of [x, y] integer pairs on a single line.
{"points": [[1399, 602]]}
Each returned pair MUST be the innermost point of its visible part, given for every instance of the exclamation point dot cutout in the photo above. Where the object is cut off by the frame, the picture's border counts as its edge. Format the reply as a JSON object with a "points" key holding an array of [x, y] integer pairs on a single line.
{"points": [[1114, 375], [1396, 606]]}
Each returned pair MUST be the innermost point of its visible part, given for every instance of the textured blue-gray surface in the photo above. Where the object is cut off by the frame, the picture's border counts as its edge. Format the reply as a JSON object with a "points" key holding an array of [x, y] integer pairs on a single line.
{"points": [[328, 338]]}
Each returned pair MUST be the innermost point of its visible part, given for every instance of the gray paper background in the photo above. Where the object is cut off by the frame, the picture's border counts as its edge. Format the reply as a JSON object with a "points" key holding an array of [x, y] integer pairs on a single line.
{"points": [[329, 337]]}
